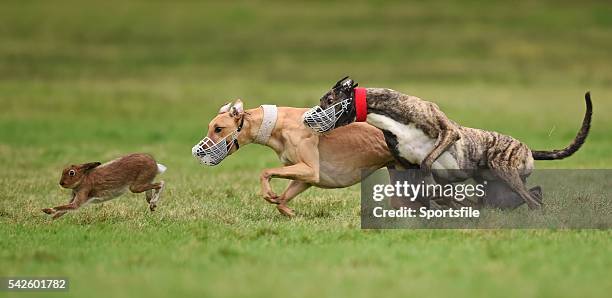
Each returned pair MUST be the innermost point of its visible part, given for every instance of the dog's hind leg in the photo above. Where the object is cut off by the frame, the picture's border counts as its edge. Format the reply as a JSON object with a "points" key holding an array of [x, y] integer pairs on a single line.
{"points": [[500, 195], [517, 185], [410, 175], [447, 136], [536, 191], [294, 188]]}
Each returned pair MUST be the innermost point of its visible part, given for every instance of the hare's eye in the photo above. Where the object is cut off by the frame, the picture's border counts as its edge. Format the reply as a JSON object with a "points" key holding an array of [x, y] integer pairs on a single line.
{"points": [[218, 129], [71, 173]]}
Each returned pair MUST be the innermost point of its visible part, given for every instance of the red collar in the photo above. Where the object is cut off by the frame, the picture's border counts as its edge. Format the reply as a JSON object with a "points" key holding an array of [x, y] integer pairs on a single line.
{"points": [[361, 105]]}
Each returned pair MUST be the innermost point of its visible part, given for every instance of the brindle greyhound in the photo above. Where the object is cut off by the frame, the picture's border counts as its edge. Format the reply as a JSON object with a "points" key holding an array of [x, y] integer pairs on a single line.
{"points": [[325, 161], [418, 132]]}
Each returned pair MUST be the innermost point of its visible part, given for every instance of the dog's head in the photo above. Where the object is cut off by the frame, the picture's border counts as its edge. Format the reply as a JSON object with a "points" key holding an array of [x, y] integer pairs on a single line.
{"points": [[226, 122], [343, 90], [222, 137]]}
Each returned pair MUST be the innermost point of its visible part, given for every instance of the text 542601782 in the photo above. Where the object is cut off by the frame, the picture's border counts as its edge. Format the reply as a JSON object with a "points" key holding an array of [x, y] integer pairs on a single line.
{"points": [[34, 284]]}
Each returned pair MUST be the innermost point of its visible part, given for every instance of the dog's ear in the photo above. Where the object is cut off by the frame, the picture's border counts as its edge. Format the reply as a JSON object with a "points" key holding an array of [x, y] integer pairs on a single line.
{"points": [[347, 85], [340, 82], [237, 109], [225, 108]]}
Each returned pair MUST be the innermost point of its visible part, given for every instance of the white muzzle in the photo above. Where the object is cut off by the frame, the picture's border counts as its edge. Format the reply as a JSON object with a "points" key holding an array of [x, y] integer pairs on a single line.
{"points": [[210, 153], [321, 120]]}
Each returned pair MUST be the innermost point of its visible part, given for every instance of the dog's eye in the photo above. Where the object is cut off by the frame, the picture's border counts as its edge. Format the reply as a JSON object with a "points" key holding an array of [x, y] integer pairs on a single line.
{"points": [[218, 129], [71, 173]]}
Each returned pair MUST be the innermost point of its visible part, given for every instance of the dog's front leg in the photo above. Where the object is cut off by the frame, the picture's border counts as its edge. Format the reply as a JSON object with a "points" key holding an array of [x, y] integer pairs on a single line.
{"points": [[294, 188], [266, 189], [300, 171]]}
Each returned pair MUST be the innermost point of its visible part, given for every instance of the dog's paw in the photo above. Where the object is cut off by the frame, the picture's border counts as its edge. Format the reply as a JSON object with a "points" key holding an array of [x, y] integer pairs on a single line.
{"points": [[48, 210], [58, 214], [152, 207], [424, 170], [534, 204], [536, 192], [271, 197], [284, 210]]}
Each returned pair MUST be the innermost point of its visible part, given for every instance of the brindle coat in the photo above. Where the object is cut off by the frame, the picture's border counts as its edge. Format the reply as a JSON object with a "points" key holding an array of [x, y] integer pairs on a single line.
{"points": [[508, 160], [95, 183]]}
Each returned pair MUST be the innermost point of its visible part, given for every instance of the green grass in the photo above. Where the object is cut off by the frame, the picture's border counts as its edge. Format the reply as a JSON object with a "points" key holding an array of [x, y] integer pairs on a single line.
{"points": [[83, 82]]}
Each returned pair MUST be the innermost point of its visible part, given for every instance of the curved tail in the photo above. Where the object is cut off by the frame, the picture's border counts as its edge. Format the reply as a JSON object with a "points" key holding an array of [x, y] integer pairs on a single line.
{"points": [[578, 140]]}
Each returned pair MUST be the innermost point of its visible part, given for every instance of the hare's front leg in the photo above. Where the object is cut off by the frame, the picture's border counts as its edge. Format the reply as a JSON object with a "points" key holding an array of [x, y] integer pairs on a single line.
{"points": [[77, 201], [52, 211]]}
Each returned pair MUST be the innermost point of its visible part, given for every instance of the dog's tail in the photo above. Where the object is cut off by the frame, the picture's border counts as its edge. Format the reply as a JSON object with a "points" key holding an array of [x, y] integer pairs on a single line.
{"points": [[578, 140]]}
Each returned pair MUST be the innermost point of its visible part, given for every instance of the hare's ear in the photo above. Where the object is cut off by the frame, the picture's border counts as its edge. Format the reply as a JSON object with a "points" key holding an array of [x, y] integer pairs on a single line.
{"points": [[90, 166], [237, 109], [225, 108]]}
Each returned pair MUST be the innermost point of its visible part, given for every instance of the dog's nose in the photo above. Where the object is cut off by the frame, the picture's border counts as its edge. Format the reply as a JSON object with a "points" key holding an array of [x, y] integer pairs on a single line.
{"points": [[62, 183]]}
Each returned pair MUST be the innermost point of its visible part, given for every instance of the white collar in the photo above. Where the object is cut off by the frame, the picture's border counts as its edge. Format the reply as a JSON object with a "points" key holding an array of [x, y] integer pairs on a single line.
{"points": [[270, 114]]}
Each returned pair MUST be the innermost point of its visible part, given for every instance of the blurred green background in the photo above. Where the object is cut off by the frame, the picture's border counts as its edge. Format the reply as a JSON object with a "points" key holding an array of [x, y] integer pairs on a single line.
{"points": [[83, 81]]}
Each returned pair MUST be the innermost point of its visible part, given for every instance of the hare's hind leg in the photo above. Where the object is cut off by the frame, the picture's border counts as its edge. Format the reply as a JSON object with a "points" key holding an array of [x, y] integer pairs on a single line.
{"points": [[152, 198], [156, 195], [144, 183], [149, 195], [150, 190]]}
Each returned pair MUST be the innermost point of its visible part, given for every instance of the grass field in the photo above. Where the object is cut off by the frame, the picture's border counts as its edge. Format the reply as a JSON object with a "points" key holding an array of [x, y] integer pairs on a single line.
{"points": [[84, 82]]}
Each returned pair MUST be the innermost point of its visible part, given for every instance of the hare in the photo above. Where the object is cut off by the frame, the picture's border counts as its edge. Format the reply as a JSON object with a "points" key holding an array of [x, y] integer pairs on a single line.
{"points": [[95, 182]]}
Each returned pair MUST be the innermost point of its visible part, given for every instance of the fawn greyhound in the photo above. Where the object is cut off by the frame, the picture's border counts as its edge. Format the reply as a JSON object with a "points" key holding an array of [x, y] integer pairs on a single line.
{"points": [[310, 159], [418, 132]]}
